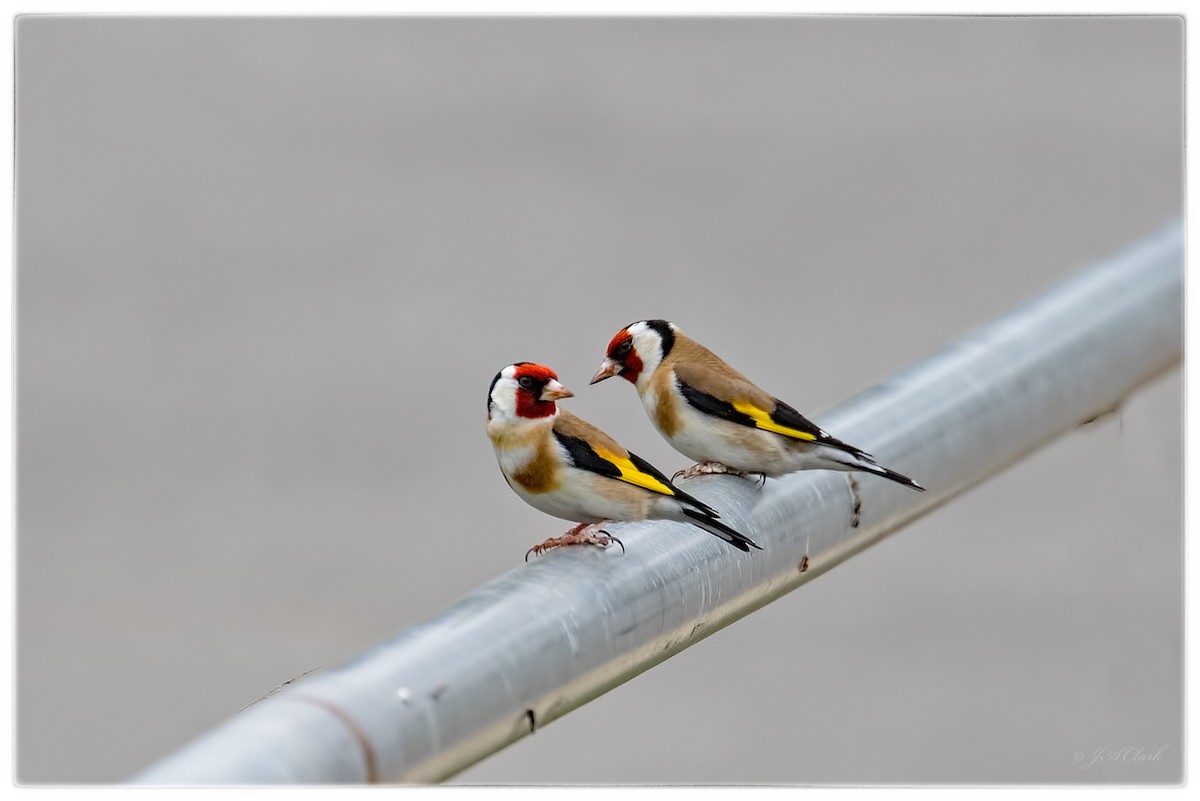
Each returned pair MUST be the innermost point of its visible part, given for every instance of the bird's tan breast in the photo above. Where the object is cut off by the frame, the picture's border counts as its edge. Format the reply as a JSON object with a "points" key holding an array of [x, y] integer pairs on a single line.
{"points": [[528, 459], [664, 408], [539, 474]]}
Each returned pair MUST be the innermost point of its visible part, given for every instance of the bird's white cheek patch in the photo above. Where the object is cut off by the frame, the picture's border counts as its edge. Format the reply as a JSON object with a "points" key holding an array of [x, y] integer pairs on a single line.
{"points": [[504, 401]]}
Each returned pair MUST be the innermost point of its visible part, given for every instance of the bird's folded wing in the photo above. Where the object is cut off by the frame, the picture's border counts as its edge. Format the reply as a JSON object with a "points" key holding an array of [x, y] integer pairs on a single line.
{"points": [[738, 401], [591, 449]]}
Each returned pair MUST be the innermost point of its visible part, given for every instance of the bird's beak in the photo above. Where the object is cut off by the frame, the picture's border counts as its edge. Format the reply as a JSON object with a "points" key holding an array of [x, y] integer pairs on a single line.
{"points": [[554, 390], [608, 369]]}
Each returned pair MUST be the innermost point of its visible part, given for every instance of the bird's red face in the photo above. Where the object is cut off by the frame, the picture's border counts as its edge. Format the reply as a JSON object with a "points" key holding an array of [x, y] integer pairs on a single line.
{"points": [[621, 359], [537, 389]]}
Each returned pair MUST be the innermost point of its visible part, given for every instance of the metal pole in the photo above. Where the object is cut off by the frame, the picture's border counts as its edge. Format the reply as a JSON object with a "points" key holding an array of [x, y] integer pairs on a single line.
{"points": [[545, 638]]}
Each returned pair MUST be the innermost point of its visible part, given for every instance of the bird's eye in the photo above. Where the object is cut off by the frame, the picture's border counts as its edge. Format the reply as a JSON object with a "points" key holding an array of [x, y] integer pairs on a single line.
{"points": [[526, 382], [622, 350]]}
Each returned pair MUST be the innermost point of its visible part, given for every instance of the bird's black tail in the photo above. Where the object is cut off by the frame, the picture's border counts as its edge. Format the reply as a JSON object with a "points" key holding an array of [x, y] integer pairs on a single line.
{"points": [[709, 523], [861, 460], [880, 470]]}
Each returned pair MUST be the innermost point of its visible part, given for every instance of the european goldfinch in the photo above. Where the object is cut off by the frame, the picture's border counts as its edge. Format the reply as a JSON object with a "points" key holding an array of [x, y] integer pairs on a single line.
{"points": [[565, 467], [712, 413]]}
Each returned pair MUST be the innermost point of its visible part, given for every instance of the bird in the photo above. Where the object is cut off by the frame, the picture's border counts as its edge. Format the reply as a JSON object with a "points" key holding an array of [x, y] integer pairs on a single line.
{"points": [[566, 467], [710, 412]]}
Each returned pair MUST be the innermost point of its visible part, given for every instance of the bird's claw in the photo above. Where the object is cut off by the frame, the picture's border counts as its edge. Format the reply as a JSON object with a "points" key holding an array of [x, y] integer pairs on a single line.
{"points": [[714, 468], [703, 469], [582, 534], [611, 539]]}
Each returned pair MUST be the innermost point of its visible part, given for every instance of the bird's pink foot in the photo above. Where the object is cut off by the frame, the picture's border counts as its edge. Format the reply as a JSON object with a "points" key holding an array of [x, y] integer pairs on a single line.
{"points": [[713, 468], [705, 469], [583, 534]]}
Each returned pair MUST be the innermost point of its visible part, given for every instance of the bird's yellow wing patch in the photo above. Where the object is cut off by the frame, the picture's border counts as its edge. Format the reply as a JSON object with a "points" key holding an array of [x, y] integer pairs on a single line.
{"points": [[632, 474], [763, 420]]}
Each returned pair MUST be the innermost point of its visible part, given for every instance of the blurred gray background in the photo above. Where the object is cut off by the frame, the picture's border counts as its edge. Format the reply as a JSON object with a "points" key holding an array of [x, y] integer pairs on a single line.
{"points": [[268, 267]]}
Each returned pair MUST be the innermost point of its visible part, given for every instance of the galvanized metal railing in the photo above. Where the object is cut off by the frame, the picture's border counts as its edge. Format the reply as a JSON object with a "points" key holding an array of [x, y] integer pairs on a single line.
{"points": [[549, 636]]}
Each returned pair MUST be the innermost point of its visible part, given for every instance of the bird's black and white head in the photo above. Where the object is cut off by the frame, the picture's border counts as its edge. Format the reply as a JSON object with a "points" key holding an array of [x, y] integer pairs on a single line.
{"points": [[635, 352], [525, 391]]}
